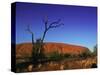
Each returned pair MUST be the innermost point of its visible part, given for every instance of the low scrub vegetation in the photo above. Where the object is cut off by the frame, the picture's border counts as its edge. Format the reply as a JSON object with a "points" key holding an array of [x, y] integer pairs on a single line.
{"points": [[58, 61]]}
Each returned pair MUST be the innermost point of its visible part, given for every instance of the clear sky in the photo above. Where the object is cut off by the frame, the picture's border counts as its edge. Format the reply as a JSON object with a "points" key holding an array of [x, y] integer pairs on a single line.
{"points": [[80, 23]]}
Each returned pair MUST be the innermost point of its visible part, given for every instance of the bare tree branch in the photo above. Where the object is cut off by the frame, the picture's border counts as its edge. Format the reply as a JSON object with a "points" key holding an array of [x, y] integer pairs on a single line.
{"points": [[29, 30], [54, 24], [58, 25], [45, 21]]}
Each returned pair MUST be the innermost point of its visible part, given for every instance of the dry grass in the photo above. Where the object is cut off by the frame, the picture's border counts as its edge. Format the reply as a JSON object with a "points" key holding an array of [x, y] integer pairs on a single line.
{"points": [[61, 65]]}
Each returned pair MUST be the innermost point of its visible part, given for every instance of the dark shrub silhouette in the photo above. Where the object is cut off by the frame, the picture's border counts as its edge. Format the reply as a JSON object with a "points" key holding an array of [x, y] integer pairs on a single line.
{"points": [[54, 56], [38, 52], [95, 50], [85, 54], [67, 55], [94, 65]]}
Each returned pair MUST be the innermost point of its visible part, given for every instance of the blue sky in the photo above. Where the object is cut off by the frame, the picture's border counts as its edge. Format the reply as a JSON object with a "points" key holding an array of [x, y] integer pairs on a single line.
{"points": [[80, 23]]}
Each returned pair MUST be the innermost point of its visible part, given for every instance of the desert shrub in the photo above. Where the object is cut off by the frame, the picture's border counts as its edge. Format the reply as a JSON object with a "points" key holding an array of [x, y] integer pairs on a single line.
{"points": [[37, 52], [95, 51], [55, 56], [85, 54], [67, 55], [42, 54], [94, 65], [34, 56]]}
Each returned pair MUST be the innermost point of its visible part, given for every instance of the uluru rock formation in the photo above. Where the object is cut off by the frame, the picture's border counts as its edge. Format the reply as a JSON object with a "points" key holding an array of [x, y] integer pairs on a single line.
{"points": [[25, 49]]}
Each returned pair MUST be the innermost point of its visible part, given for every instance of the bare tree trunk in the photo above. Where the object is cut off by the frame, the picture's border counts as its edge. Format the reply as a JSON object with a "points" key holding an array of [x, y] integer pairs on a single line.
{"points": [[33, 39], [54, 24], [44, 34]]}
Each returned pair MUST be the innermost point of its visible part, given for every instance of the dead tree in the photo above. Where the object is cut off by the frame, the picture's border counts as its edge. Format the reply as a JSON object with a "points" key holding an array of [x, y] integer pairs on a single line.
{"points": [[38, 53], [48, 26]]}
